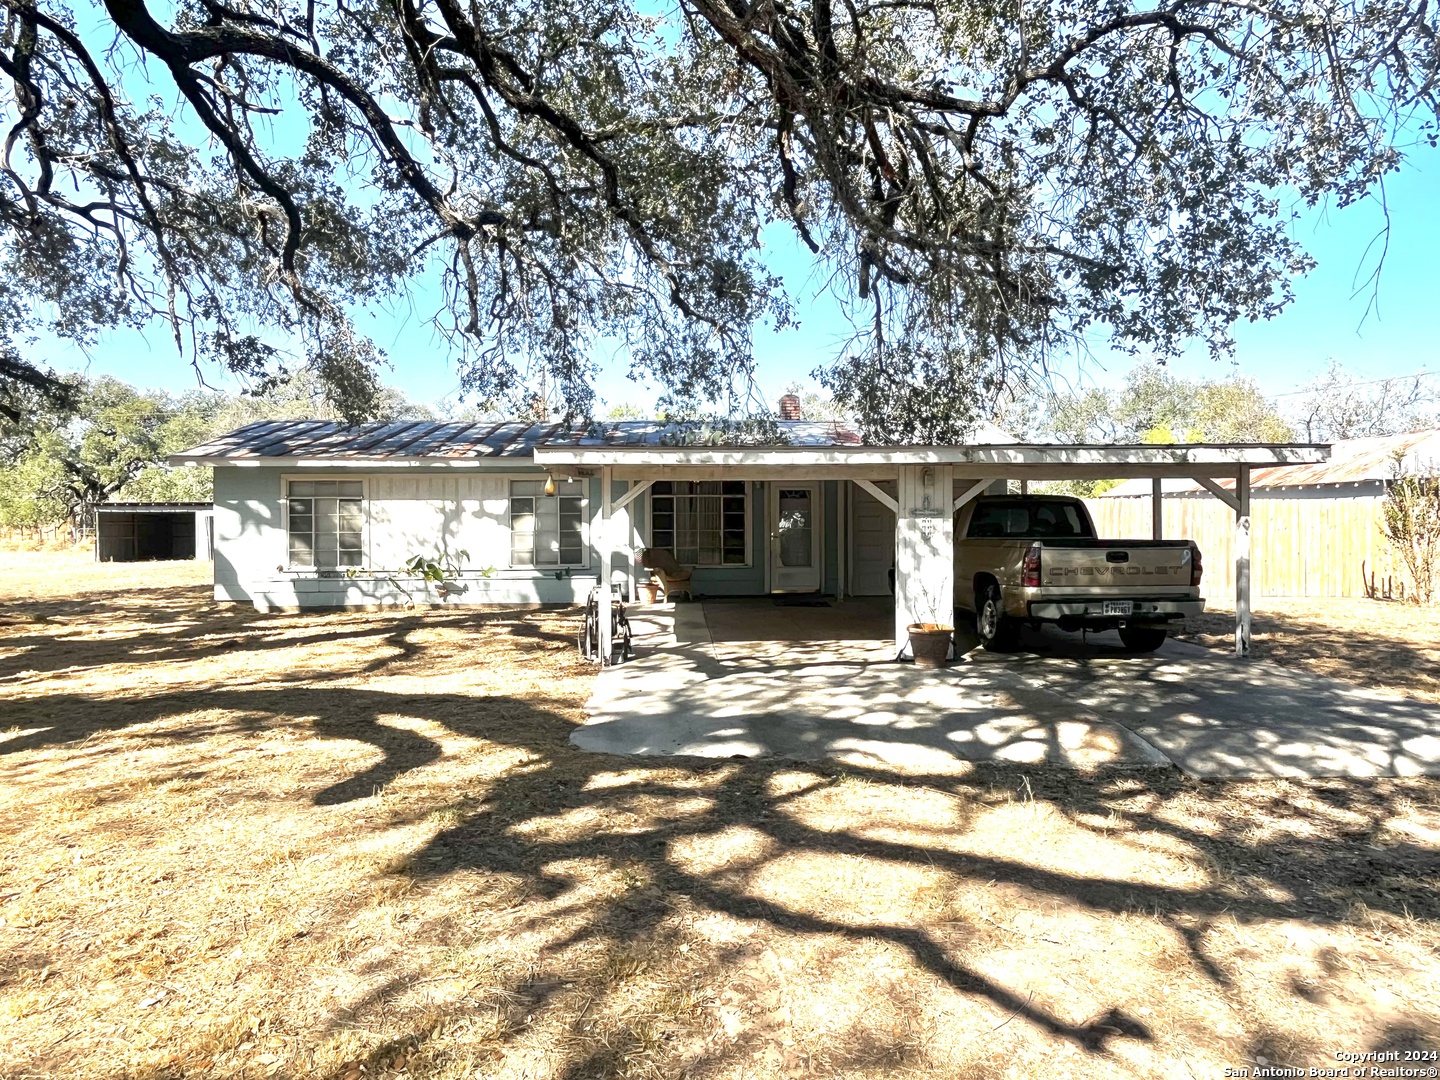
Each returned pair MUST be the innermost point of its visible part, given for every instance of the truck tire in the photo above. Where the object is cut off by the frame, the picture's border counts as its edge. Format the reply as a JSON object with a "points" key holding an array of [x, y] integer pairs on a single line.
{"points": [[1142, 639], [997, 631]]}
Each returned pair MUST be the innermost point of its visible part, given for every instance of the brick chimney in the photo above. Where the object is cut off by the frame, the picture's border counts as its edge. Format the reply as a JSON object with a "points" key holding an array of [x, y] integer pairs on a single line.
{"points": [[790, 407]]}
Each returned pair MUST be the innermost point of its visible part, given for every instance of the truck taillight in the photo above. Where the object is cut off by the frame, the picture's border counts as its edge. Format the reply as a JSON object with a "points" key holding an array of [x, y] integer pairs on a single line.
{"points": [[1197, 566], [1030, 572]]}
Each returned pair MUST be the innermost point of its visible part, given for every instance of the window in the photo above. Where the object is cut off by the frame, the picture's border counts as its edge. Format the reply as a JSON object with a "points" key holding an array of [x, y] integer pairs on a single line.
{"points": [[1027, 521], [701, 523], [326, 523], [547, 530]]}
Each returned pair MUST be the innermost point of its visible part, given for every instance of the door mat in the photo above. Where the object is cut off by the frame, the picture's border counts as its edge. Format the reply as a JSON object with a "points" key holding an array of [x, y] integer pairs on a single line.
{"points": [[801, 601]]}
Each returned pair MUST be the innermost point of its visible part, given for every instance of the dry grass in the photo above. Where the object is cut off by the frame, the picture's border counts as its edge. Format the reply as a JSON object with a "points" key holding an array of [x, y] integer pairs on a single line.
{"points": [[350, 845], [1378, 643]]}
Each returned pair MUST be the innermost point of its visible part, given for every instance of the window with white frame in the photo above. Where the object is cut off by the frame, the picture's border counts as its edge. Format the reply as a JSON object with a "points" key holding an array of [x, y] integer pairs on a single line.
{"points": [[325, 523], [547, 530], [701, 523]]}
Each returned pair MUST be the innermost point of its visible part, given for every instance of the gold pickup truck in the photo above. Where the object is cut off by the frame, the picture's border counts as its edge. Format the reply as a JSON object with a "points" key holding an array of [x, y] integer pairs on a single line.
{"points": [[1032, 559]]}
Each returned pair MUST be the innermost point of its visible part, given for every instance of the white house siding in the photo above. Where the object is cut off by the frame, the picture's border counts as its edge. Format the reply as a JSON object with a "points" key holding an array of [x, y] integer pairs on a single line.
{"points": [[439, 512]]}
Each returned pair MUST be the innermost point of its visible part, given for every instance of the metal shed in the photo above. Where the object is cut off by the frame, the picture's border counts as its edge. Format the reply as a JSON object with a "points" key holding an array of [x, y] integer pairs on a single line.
{"points": [[141, 531]]}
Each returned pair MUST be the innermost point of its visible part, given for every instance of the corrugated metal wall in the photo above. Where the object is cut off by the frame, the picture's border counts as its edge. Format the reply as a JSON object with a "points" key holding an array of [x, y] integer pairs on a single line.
{"points": [[1299, 547]]}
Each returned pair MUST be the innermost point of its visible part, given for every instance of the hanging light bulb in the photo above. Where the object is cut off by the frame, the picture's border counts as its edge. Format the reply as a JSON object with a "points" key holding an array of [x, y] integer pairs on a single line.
{"points": [[549, 484]]}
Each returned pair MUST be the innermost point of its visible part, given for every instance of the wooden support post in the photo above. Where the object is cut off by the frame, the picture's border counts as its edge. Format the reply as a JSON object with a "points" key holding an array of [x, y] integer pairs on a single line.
{"points": [[1242, 562], [924, 549], [603, 547], [1157, 510], [1024, 487]]}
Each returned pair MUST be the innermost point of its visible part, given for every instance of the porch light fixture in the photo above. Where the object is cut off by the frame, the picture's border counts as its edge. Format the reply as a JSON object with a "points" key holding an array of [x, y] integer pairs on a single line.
{"points": [[927, 477], [549, 484]]}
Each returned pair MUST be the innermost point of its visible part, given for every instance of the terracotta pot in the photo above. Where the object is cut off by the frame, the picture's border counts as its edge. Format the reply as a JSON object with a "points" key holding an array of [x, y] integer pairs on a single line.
{"points": [[930, 644], [648, 591]]}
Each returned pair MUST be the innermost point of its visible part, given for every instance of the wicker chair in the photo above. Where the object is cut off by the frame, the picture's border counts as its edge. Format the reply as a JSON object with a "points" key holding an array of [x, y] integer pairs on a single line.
{"points": [[673, 577]]}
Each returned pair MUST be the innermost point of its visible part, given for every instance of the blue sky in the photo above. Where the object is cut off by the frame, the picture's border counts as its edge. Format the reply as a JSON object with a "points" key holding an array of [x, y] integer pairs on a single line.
{"points": [[1328, 320]]}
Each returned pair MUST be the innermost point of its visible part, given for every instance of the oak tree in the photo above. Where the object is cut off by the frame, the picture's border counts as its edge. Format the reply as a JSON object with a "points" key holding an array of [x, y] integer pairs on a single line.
{"points": [[982, 185]]}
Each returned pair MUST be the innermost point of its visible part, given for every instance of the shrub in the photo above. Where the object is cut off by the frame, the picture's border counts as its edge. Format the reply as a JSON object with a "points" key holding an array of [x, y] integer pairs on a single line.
{"points": [[1411, 522]]}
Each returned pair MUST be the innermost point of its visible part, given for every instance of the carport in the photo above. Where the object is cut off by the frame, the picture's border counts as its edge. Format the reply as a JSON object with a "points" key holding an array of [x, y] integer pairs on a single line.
{"points": [[922, 486]]}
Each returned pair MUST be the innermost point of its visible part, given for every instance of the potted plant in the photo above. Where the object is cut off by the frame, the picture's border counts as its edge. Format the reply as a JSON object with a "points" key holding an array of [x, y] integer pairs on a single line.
{"points": [[930, 641], [648, 591]]}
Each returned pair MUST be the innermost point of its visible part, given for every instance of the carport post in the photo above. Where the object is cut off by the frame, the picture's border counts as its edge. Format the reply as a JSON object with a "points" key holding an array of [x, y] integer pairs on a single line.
{"points": [[1242, 562], [924, 548], [1157, 510], [603, 548]]}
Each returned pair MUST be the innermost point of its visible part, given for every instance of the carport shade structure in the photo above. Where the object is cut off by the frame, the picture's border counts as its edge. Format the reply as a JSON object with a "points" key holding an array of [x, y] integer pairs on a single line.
{"points": [[932, 484]]}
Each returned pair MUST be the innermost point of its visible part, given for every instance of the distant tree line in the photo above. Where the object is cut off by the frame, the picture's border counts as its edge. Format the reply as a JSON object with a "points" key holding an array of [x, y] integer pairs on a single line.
{"points": [[102, 440]]}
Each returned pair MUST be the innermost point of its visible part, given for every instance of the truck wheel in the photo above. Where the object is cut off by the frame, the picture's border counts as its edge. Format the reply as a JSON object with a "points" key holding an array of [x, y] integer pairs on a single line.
{"points": [[1142, 639], [998, 632]]}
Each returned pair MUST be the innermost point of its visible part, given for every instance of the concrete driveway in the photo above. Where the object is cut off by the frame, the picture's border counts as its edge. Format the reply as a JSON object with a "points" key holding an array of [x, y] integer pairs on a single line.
{"points": [[725, 678]]}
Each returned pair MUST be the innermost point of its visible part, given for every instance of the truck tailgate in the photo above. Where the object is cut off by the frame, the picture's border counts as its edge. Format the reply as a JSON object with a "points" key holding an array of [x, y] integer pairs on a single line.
{"points": [[1141, 566]]}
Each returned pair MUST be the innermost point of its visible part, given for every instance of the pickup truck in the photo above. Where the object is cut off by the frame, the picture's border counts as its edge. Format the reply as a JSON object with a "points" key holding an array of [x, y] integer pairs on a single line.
{"points": [[1032, 559]]}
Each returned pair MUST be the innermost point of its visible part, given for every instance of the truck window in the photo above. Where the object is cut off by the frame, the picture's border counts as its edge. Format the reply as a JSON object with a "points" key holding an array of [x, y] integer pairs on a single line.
{"points": [[1037, 520]]}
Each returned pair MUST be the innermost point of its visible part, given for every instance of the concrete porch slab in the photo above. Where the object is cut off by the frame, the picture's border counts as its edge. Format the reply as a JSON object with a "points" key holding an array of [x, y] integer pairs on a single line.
{"points": [[814, 697]]}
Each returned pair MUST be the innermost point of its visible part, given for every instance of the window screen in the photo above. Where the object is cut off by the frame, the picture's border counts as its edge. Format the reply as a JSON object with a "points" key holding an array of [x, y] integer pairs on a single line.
{"points": [[701, 523], [326, 523], [547, 530]]}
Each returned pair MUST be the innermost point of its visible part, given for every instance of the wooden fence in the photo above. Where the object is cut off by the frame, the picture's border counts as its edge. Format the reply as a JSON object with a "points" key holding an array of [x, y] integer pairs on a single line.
{"points": [[1298, 547]]}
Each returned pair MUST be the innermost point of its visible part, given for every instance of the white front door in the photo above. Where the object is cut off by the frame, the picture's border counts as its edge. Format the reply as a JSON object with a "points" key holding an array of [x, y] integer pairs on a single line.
{"points": [[795, 525]]}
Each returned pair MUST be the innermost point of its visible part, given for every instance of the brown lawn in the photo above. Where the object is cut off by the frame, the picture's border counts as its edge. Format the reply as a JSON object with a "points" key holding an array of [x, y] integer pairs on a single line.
{"points": [[349, 845], [1379, 643]]}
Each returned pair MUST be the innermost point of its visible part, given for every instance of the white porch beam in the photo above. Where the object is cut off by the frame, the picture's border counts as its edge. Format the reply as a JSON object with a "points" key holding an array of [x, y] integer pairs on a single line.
{"points": [[1242, 562], [1219, 492], [1010, 460], [1157, 510], [972, 492], [879, 496], [604, 543]]}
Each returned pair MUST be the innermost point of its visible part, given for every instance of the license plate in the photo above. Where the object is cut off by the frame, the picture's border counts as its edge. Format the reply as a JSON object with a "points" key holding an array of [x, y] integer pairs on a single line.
{"points": [[1119, 607]]}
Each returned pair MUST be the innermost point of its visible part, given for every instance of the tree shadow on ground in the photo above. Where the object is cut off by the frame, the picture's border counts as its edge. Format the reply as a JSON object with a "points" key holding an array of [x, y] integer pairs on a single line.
{"points": [[1385, 655], [534, 838]]}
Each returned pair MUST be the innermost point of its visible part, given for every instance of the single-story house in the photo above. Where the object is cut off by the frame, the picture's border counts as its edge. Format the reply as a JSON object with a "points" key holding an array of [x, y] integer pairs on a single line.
{"points": [[316, 513], [138, 531]]}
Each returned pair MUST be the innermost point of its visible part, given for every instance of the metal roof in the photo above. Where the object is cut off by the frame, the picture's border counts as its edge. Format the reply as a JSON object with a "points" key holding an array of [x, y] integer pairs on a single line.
{"points": [[785, 443], [328, 440], [1352, 461], [427, 439], [152, 507]]}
